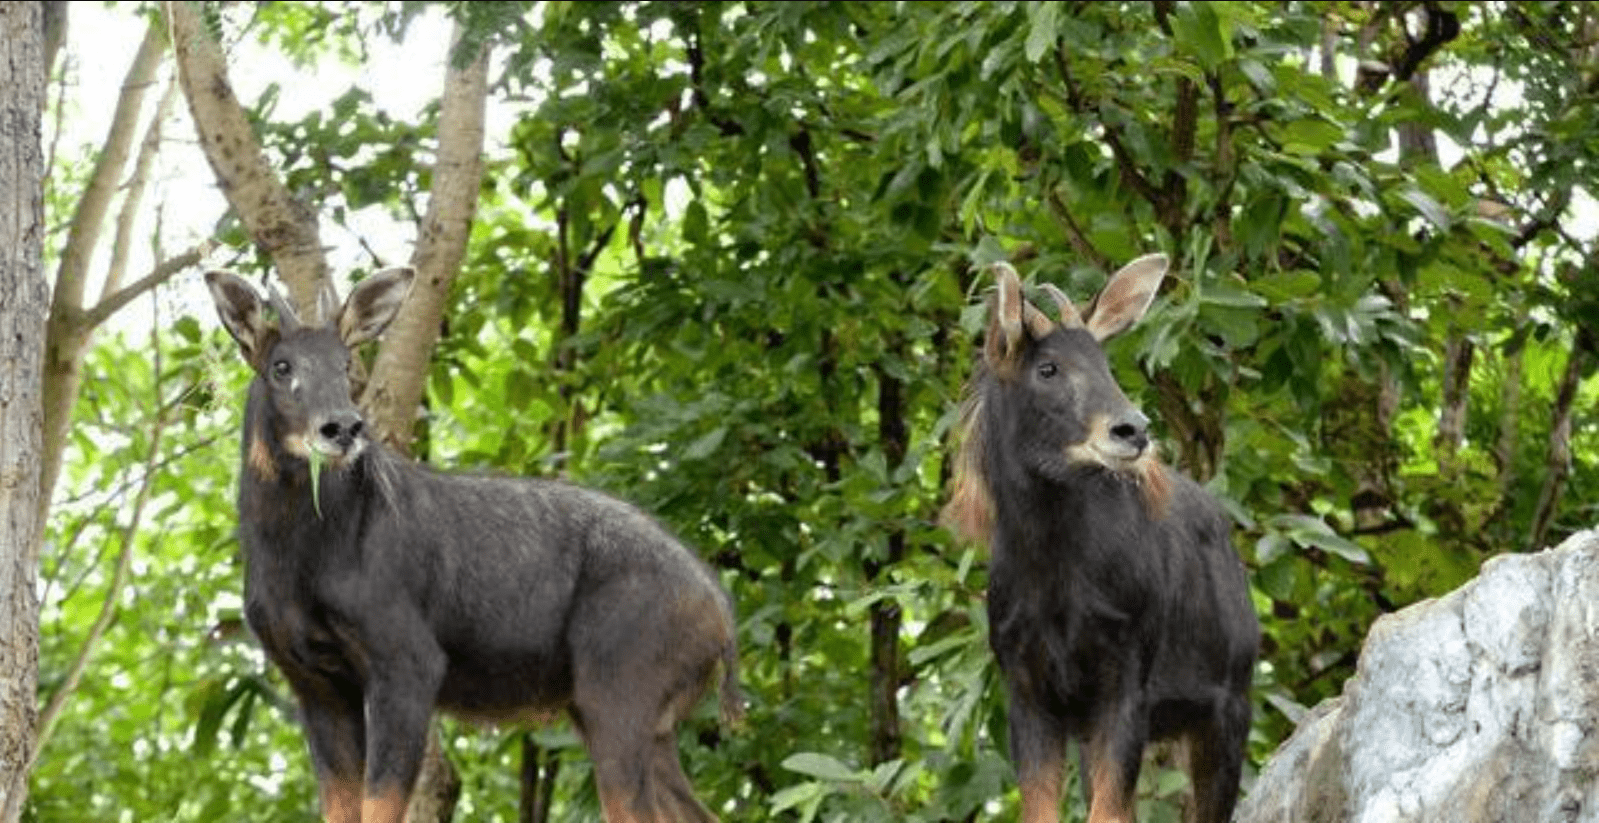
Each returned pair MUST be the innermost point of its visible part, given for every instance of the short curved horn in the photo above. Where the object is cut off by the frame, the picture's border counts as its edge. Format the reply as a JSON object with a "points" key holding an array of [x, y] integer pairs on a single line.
{"points": [[1069, 317], [1038, 323], [287, 319], [327, 304]]}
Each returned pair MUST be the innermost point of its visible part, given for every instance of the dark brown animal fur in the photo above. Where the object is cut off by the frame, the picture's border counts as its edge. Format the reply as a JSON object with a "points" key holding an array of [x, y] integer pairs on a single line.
{"points": [[1118, 611]]}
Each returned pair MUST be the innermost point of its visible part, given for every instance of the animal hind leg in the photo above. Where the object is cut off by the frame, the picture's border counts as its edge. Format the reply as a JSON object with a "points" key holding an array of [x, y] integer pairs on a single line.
{"points": [[620, 773], [636, 672], [1215, 763], [630, 731], [674, 795]]}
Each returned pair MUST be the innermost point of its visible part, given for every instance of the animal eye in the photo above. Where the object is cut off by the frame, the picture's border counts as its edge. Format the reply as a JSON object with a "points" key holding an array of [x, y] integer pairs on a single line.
{"points": [[1047, 369], [281, 368]]}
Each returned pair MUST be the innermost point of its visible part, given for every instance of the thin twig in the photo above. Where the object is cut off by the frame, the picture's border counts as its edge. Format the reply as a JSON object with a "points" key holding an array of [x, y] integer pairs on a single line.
{"points": [[108, 607]]}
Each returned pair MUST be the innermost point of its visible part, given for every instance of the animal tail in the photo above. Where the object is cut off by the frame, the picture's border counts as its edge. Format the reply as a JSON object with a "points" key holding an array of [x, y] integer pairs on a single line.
{"points": [[732, 695]]}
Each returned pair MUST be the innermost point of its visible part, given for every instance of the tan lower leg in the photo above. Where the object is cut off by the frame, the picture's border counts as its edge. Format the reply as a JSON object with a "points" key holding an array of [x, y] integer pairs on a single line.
{"points": [[341, 800], [388, 807], [1112, 801], [1041, 795]]}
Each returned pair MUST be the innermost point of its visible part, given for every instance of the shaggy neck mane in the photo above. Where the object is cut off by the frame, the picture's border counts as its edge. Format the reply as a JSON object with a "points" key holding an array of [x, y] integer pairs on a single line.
{"points": [[970, 510]]}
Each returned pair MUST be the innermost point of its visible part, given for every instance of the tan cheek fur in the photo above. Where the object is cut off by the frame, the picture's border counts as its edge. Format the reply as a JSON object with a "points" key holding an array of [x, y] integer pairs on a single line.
{"points": [[261, 460]]}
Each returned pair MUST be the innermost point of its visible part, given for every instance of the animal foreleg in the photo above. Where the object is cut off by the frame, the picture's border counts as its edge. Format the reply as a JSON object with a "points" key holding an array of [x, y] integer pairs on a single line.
{"points": [[336, 735], [1111, 760], [1038, 748], [397, 728]]}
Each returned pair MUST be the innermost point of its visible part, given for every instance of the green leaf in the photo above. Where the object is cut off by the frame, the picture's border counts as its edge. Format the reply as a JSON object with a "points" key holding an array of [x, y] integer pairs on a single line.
{"points": [[1202, 33], [1043, 29], [805, 797], [1431, 209], [821, 766], [316, 459], [1310, 137], [1314, 532], [705, 445]]}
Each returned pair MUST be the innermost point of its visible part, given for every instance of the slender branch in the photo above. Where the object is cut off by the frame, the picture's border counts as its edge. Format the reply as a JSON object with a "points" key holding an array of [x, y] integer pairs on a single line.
{"points": [[1442, 26], [1557, 465], [1125, 165], [136, 186], [95, 201], [696, 76], [176, 454], [162, 272], [1504, 452], [108, 607], [635, 226], [66, 337], [1074, 233], [1226, 162]]}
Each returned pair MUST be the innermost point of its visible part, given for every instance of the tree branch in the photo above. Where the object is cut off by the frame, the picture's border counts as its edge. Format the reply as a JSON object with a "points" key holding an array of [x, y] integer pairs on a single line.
{"points": [[66, 337], [1557, 465], [285, 229], [1126, 167], [1226, 162], [162, 272], [137, 183], [1074, 233], [108, 606], [399, 373], [95, 201]]}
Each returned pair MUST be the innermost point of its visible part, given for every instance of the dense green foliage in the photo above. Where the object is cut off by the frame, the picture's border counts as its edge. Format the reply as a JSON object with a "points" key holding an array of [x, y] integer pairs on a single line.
{"points": [[731, 268]]}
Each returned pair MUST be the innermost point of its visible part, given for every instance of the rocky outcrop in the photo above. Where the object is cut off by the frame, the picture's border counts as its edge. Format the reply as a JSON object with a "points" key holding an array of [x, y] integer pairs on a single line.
{"points": [[1479, 706]]}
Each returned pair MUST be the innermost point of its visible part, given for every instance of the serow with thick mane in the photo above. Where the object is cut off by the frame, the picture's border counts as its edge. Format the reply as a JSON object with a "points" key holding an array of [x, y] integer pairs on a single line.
{"points": [[1119, 613]]}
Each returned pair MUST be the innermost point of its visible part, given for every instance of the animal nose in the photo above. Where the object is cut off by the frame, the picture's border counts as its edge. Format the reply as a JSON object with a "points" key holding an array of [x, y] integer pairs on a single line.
{"points": [[1132, 429], [343, 429]]}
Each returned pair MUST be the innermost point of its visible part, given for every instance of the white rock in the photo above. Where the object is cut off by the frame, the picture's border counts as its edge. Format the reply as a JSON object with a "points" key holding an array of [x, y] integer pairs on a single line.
{"points": [[1481, 706]]}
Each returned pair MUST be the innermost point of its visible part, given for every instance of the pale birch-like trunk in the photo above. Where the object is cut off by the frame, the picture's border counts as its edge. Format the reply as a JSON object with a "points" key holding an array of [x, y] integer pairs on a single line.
{"points": [[23, 297]]}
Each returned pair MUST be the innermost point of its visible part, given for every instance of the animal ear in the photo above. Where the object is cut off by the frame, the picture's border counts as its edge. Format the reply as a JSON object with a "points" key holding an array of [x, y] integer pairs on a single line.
{"points": [[1126, 296], [373, 304], [239, 306]]}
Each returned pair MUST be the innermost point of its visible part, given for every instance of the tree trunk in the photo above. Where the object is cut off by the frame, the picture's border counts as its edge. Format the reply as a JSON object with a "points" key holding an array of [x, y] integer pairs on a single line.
{"points": [[1510, 419], [67, 334], [540, 769], [284, 228], [1558, 463], [886, 618], [1458, 354], [23, 297]]}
